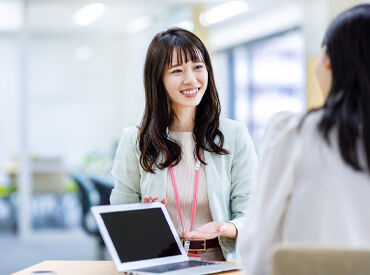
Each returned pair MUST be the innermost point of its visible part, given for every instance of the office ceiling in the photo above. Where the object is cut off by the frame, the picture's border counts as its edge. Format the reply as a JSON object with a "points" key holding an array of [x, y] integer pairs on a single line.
{"points": [[57, 16]]}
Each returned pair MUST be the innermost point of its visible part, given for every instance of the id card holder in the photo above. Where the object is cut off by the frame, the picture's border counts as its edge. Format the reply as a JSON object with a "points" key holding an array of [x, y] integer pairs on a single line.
{"points": [[186, 246], [190, 255]]}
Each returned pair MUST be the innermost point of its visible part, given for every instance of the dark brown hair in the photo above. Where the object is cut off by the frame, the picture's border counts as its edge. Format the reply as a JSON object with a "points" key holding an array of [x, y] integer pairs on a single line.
{"points": [[346, 108], [156, 147]]}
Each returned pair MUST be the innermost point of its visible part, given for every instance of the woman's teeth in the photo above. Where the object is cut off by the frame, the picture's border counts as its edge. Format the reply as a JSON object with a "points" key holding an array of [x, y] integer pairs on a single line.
{"points": [[189, 92]]}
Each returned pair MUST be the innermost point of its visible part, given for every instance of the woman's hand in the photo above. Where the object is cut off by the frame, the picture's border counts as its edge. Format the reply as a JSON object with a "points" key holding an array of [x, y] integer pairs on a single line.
{"points": [[151, 198], [212, 230]]}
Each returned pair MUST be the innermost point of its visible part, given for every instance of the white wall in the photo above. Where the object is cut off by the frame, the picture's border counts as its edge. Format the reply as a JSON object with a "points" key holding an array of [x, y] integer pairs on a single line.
{"points": [[75, 106], [8, 97], [81, 106]]}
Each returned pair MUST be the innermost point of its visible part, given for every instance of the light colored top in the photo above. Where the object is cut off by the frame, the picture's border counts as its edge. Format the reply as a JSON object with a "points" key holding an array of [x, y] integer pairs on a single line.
{"points": [[229, 177], [185, 179], [304, 194]]}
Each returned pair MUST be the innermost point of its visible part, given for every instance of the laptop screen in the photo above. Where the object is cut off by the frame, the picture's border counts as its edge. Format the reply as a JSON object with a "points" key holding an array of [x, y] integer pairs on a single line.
{"points": [[141, 234]]}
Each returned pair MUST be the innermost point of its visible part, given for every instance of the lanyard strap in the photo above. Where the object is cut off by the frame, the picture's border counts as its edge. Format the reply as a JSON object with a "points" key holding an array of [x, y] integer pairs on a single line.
{"points": [[197, 167]]}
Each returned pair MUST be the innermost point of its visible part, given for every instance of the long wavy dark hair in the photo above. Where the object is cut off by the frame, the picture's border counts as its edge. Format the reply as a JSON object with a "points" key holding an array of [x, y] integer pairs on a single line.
{"points": [[347, 107], [156, 147]]}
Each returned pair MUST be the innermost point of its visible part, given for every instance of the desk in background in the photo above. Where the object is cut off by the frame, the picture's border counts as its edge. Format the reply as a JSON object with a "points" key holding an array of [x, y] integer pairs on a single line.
{"points": [[83, 268]]}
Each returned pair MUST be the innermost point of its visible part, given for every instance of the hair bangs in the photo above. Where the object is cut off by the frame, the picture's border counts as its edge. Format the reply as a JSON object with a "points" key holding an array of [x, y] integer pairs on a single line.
{"points": [[184, 53]]}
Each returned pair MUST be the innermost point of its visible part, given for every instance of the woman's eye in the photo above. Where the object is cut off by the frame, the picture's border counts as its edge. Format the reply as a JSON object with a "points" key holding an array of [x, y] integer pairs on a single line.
{"points": [[176, 71], [199, 67]]}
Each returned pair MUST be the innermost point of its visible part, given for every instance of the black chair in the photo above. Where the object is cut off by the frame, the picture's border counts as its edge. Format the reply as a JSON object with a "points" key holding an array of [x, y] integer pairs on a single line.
{"points": [[89, 196], [103, 186]]}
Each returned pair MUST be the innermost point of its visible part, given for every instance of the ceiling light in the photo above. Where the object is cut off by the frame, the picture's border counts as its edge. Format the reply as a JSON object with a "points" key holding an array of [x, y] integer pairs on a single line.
{"points": [[89, 13], [139, 24], [222, 12]]}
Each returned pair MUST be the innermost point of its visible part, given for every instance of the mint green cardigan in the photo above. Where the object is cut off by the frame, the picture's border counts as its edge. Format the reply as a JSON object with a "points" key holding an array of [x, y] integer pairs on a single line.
{"points": [[229, 177]]}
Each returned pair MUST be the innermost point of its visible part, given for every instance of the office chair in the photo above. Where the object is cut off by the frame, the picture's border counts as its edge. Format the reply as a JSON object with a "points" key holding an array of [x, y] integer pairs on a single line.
{"points": [[103, 186], [303, 260], [89, 197]]}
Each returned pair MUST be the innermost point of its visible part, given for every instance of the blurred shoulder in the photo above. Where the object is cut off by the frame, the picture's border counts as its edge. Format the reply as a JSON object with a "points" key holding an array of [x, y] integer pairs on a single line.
{"points": [[281, 125], [288, 124]]}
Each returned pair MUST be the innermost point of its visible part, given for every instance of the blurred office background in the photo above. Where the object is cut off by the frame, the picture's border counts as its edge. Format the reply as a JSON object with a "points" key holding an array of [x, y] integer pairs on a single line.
{"points": [[71, 80]]}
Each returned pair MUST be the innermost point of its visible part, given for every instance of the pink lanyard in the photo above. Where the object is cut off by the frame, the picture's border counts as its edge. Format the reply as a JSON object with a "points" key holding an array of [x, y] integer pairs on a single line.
{"points": [[197, 166]]}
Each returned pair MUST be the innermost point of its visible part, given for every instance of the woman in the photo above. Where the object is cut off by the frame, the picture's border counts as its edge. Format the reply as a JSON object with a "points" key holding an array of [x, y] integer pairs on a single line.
{"points": [[313, 187], [183, 151]]}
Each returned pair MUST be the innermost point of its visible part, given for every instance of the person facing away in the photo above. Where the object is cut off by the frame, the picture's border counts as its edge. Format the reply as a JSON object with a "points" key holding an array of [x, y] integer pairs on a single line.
{"points": [[313, 183], [183, 149]]}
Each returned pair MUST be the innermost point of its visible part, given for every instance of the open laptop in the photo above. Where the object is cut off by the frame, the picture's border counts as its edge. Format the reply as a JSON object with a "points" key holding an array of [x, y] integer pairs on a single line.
{"points": [[142, 239]]}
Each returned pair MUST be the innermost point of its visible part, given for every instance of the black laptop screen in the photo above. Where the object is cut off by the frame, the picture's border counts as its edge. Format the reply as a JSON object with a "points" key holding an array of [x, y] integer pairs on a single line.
{"points": [[140, 234]]}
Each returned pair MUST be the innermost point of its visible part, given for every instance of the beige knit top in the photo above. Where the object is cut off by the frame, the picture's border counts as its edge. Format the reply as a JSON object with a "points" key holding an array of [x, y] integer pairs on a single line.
{"points": [[185, 179]]}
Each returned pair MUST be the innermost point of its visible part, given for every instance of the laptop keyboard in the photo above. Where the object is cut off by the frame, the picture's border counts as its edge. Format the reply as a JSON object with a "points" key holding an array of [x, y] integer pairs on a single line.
{"points": [[174, 266]]}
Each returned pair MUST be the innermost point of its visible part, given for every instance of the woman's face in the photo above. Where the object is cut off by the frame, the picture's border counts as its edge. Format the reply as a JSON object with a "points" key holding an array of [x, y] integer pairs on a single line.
{"points": [[186, 83], [323, 72]]}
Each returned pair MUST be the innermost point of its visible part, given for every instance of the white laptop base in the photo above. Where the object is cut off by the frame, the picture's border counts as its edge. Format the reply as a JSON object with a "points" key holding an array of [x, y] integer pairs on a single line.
{"points": [[142, 239]]}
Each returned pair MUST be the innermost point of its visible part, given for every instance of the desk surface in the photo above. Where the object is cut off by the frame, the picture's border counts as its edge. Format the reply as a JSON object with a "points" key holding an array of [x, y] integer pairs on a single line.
{"points": [[83, 268]]}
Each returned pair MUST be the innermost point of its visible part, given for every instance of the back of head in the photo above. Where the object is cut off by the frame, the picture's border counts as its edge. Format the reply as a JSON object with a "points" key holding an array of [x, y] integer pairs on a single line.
{"points": [[347, 42]]}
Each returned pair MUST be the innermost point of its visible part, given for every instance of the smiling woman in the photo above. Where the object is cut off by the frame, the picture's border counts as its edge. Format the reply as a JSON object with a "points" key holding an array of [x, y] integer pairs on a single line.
{"points": [[200, 165], [171, 103]]}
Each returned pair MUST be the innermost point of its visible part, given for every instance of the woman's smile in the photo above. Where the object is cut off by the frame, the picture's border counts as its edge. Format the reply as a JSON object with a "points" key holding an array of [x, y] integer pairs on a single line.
{"points": [[193, 92]]}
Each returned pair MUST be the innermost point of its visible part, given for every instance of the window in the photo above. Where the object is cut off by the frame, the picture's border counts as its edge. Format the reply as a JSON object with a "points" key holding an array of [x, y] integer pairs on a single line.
{"points": [[263, 77]]}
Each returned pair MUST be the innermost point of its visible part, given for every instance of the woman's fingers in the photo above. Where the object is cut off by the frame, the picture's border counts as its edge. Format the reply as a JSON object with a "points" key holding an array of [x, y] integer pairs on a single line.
{"points": [[164, 201], [151, 198]]}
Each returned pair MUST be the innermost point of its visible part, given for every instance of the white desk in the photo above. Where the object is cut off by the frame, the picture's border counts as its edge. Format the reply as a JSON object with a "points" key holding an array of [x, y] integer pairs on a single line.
{"points": [[83, 268]]}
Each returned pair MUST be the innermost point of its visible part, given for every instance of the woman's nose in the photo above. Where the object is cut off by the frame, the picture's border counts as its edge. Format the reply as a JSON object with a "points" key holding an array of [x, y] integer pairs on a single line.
{"points": [[190, 78]]}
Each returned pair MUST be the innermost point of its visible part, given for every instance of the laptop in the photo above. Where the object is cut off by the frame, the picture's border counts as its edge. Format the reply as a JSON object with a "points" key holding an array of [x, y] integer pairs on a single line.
{"points": [[142, 239]]}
